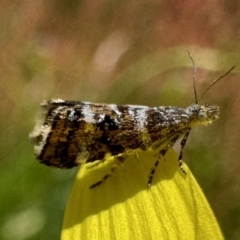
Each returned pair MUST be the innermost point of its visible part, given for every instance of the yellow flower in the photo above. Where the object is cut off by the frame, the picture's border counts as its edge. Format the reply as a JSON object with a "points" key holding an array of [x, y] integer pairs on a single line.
{"points": [[123, 207]]}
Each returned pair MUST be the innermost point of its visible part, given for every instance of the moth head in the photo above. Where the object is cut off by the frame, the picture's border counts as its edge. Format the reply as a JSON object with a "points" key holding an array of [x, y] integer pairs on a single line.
{"points": [[203, 114]]}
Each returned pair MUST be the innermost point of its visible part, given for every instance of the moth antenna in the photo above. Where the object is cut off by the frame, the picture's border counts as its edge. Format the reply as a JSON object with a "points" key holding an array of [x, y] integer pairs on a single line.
{"points": [[194, 77], [215, 81]]}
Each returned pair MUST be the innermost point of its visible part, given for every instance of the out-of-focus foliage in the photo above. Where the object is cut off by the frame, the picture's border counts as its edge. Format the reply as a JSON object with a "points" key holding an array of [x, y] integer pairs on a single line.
{"points": [[115, 51]]}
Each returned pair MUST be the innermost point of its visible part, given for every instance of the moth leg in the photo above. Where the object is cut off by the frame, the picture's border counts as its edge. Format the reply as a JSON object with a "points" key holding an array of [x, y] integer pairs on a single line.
{"points": [[183, 142], [161, 155], [136, 155], [96, 163], [101, 181], [117, 161]]}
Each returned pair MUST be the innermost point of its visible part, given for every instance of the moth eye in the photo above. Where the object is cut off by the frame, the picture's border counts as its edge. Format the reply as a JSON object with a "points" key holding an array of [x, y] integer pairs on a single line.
{"points": [[202, 116]]}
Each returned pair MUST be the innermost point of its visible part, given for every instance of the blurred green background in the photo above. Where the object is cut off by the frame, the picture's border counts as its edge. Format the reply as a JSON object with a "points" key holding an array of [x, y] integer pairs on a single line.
{"points": [[121, 52]]}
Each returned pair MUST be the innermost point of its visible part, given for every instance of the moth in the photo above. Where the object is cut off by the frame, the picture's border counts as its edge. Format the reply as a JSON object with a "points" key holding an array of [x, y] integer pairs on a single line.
{"points": [[72, 133]]}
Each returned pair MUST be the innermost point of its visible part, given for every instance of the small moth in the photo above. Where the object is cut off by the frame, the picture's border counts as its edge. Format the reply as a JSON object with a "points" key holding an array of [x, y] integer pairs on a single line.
{"points": [[72, 133]]}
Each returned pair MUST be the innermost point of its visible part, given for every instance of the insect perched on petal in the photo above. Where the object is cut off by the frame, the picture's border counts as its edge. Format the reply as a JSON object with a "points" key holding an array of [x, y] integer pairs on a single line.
{"points": [[72, 133]]}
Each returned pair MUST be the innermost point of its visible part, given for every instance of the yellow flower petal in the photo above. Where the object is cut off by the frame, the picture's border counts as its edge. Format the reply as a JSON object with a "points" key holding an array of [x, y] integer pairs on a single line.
{"points": [[123, 207]]}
